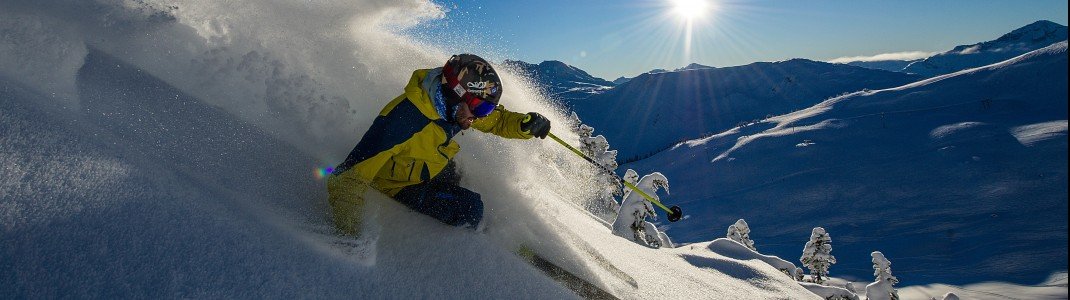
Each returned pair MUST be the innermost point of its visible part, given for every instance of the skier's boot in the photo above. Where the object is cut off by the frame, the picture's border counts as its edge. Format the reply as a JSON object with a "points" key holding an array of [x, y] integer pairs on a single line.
{"points": [[345, 194]]}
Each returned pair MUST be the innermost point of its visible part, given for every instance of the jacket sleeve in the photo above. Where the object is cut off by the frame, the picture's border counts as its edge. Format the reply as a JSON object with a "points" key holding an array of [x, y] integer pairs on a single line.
{"points": [[503, 123]]}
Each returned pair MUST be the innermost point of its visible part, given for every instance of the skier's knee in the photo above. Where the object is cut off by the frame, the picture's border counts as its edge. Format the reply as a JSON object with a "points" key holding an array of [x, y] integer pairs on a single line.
{"points": [[470, 212]]}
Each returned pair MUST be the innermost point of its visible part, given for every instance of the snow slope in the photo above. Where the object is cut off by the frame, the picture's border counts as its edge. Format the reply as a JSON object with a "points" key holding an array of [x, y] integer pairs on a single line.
{"points": [[1034, 36], [1052, 288], [170, 152], [956, 179], [654, 111]]}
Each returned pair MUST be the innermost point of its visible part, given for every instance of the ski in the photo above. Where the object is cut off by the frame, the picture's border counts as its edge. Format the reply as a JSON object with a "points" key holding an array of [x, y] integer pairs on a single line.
{"points": [[581, 287]]}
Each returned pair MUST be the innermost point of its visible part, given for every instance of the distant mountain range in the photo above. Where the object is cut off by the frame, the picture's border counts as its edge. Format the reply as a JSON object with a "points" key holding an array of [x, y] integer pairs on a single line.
{"points": [[1034, 36], [692, 66], [677, 105], [698, 100], [560, 79], [1031, 37]]}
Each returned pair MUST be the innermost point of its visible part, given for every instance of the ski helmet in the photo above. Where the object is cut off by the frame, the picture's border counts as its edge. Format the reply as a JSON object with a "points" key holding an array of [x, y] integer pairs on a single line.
{"points": [[469, 79]]}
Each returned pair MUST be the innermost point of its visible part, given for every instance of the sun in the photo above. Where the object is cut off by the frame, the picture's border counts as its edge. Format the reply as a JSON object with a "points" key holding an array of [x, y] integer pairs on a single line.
{"points": [[690, 9]]}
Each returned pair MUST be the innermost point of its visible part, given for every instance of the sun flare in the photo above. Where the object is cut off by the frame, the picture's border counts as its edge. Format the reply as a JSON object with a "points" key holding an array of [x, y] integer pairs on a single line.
{"points": [[690, 9]]}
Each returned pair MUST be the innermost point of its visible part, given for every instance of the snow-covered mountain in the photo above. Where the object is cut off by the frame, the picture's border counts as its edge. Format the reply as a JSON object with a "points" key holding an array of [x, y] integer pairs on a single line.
{"points": [[655, 110], [959, 178], [1028, 38], [561, 80], [692, 66]]}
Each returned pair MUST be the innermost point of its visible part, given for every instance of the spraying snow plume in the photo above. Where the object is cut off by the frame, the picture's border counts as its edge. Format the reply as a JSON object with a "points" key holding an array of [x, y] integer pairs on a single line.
{"points": [[310, 72]]}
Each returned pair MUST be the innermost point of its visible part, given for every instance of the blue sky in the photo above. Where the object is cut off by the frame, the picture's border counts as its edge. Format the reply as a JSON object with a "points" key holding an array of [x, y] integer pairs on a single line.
{"points": [[624, 38]]}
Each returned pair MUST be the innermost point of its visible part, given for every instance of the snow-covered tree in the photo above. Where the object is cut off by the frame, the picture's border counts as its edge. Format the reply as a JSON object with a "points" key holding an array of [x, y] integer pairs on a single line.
{"points": [[740, 233], [881, 288], [817, 255], [605, 185], [578, 127], [631, 222]]}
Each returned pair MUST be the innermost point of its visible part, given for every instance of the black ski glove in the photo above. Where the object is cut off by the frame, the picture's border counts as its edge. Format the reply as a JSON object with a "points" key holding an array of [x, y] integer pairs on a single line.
{"points": [[536, 125]]}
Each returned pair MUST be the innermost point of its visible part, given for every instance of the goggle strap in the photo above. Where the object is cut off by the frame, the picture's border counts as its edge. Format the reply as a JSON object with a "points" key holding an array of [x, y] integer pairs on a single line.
{"points": [[451, 80]]}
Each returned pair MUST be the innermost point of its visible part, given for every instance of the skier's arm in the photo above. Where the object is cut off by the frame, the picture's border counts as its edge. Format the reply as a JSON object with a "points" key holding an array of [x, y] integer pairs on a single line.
{"points": [[503, 123]]}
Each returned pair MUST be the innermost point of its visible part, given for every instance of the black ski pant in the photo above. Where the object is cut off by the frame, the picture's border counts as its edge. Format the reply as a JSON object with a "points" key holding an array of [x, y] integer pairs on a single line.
{"points": [[442, 198]]}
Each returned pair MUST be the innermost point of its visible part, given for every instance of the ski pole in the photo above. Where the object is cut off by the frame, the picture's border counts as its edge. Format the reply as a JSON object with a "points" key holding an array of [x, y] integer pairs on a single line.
{"points": [[674, 212]]}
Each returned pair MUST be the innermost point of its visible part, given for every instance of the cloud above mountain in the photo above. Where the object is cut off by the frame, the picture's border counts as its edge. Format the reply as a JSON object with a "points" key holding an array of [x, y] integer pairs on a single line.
{"points": [[905, 55]]}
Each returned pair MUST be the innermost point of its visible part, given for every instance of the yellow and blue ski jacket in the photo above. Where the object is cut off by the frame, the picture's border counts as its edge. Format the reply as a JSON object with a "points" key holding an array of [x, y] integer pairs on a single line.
{"points": [[409, 142]]}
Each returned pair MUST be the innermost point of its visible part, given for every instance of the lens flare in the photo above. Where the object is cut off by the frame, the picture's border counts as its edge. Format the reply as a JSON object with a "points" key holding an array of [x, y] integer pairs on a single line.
{"points": [[322, 173]]}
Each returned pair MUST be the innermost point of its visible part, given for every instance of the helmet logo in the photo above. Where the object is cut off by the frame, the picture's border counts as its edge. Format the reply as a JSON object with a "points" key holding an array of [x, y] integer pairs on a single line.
{"points": [[477, 84]]}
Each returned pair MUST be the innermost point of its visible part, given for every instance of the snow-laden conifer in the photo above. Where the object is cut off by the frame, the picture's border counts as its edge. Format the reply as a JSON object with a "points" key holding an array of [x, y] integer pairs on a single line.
{"points": [[740, 233], [817, 255], [881, 288], [631, 222], [605, 185]]}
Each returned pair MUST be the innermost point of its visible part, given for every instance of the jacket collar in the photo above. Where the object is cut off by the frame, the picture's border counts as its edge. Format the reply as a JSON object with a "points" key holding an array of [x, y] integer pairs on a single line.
{"points": [[417, 92]]}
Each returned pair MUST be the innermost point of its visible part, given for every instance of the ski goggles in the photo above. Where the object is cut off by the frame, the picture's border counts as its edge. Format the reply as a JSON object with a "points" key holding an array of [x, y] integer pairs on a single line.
{"points": [[479, 107]]}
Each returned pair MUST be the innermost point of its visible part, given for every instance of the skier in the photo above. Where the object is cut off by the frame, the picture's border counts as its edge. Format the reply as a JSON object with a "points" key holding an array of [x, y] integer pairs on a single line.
{"points": [[407, 153]]}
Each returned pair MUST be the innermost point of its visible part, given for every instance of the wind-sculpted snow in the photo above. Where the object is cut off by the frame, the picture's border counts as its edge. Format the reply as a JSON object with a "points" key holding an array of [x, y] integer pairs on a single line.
{"points": [[957, 179], [1031, 134], [735, 250]]}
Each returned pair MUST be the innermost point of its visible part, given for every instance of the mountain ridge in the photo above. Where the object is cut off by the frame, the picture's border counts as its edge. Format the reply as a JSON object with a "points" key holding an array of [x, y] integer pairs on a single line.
{"points": [[561, 79], [1027, 38], [702, 101]]}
